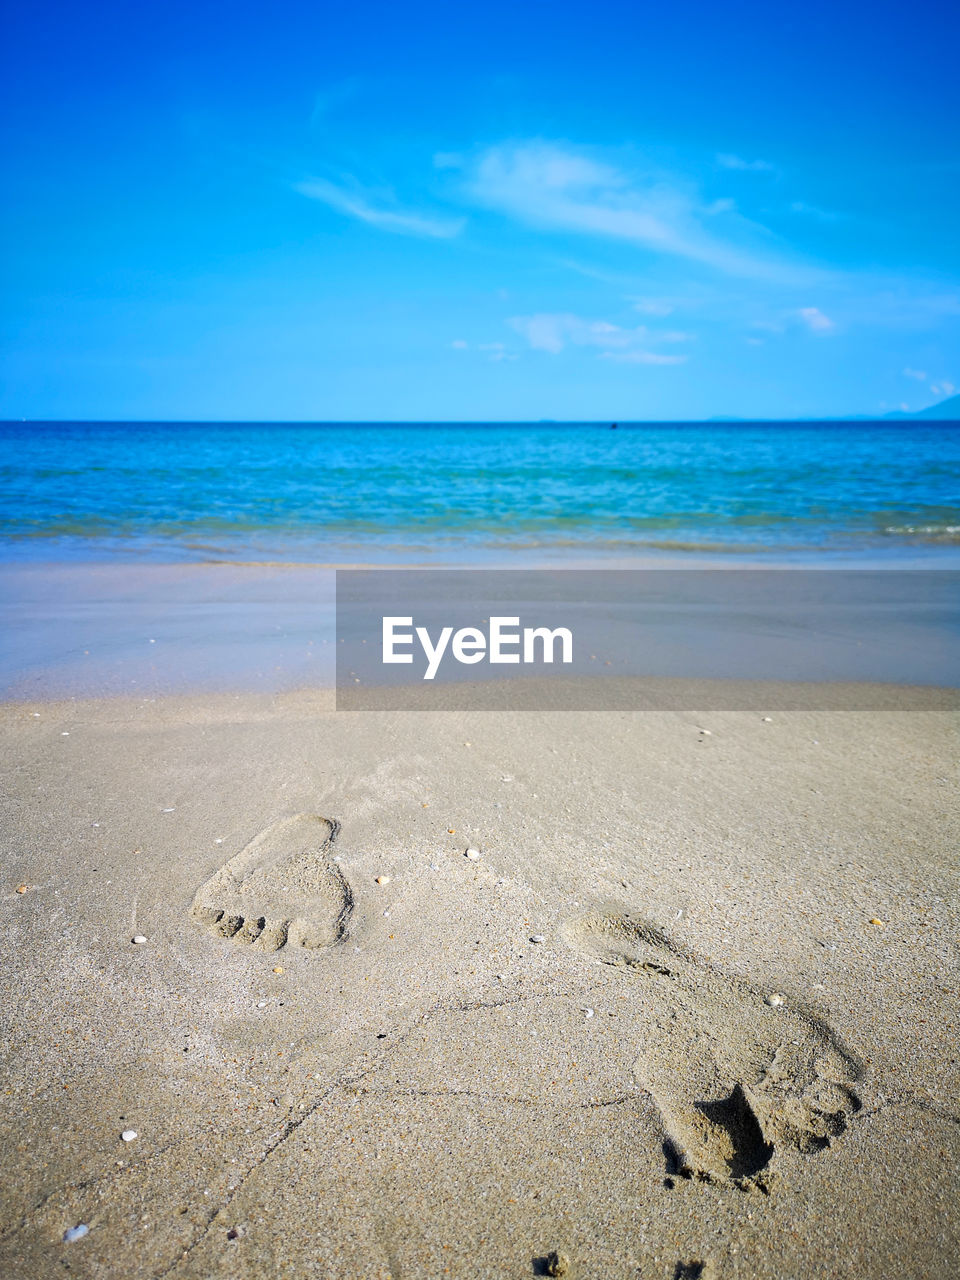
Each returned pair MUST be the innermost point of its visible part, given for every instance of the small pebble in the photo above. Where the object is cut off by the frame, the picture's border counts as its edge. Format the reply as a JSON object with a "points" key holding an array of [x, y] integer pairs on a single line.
{"points": [[767, 719], [138, 939], [382, 880], [434, 866], [556, 1264], [706, 733], [75, 1233], [776, 1000], [587, 1013], [881, 923], [278, 968], [22, 888], [472, 854], [538, 937], [128, 1135]]}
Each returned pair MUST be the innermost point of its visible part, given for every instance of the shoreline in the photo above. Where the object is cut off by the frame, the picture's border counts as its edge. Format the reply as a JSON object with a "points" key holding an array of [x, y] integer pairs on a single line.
{"points": [[575, 553], [97, 630]]}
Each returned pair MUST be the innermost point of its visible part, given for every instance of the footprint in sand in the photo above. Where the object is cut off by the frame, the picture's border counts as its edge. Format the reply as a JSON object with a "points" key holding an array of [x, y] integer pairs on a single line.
{"points": [[280, 889], [736, 1079]]}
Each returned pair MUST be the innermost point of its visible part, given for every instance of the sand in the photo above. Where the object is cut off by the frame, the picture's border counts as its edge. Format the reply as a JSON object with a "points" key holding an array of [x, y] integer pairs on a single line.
{"points": [[692, 1012]]}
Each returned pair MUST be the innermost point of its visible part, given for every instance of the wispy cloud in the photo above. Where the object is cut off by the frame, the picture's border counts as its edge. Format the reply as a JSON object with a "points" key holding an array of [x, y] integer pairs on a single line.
{"points": [[495, 351], [366, 207], [546, 185], [642, 357], [553, 331], [654, 306], [940, 388], [815, 320], [814, 211], [726, 160]]}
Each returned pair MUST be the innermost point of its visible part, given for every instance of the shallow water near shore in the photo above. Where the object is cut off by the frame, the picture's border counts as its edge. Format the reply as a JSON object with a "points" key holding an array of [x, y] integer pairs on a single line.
{"points": [[408, 491]]}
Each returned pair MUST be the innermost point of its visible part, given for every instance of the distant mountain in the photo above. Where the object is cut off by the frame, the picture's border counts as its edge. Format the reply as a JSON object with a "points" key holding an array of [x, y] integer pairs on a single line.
{"points": [[945, 411]]}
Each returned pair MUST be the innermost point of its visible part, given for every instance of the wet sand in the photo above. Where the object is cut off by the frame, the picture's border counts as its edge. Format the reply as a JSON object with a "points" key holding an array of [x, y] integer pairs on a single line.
{"points": [[691, 1011], [149, 629]]}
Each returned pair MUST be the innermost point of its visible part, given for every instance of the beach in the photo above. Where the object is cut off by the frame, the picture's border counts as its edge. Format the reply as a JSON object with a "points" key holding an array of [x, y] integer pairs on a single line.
{"points": [[642, 966], [480, 642], [691, 1011]]}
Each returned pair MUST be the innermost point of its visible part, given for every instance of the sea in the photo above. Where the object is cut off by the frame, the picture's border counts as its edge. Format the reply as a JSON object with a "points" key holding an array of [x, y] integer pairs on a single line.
{"points": [[478, 492]]}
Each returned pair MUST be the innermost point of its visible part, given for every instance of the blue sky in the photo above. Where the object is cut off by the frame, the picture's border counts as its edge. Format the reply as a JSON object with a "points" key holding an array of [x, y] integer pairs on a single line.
{"points": [[501, 211]]}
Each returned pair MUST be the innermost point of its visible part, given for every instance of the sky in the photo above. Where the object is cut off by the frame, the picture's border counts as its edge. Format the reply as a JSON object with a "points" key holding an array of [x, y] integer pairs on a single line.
{"points": [[506, 211]]}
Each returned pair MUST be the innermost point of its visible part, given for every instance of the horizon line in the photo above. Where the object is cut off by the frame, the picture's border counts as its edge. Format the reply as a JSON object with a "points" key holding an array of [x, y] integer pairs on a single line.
{"points": [[718, 420]]}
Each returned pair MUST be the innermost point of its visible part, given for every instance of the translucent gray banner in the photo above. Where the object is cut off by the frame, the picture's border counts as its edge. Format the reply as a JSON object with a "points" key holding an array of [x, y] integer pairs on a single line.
{"points": [[613, 639]]}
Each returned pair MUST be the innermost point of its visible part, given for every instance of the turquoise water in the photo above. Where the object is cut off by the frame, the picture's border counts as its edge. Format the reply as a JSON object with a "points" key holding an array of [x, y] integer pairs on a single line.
{"points": [[316, 493]]}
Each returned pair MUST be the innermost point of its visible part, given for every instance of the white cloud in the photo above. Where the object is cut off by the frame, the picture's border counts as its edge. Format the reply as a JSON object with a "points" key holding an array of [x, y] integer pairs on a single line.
{"points": [[546, 332], [947, 388], [448, 160], [728, 161], [654, 306], [815, 320], [642, 357], [359, 204], [553, 332], [495, 351], [915, 373], [545, 185]]}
